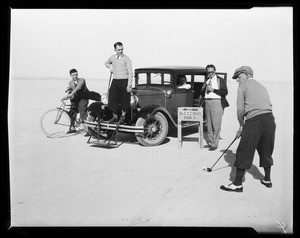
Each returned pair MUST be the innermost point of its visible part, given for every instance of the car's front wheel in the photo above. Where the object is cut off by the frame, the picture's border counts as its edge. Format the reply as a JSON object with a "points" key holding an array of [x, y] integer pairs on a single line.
{"points": [[155, 129]]}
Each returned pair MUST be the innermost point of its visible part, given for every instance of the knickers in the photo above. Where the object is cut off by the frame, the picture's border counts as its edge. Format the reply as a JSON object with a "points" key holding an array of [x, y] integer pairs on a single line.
{"points": [[258, 134]]}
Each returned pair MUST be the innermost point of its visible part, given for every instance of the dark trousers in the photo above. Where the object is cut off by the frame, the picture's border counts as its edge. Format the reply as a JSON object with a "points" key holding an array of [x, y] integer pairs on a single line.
{"points": [[90, 95], [78, 105], [82, 108], [118, 95], [258, 134]]}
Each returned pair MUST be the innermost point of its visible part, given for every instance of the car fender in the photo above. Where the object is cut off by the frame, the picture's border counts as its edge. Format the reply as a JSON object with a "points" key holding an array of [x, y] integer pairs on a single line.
{"points": [[151, 110]]}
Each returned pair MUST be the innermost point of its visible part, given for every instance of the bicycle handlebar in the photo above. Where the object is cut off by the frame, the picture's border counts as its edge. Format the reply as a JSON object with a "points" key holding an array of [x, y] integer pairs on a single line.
{"points": [[64, 104]]}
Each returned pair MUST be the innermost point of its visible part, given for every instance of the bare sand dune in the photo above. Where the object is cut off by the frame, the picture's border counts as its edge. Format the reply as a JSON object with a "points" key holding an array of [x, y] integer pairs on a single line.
{"points": [[67, 182]]}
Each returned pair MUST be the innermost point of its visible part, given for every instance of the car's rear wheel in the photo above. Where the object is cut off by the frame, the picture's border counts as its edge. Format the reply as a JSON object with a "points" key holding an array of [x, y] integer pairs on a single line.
{"points": [[155, 129]]}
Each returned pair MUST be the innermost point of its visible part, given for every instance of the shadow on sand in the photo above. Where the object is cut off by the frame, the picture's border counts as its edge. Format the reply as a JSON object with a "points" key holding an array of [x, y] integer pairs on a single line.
{"points": [[229, 157], [189, 131], [71, 134], [122, 138]]}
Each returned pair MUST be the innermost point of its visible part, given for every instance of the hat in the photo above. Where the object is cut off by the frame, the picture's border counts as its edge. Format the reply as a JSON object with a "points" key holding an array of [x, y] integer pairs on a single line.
{"points": [[243, 69]]}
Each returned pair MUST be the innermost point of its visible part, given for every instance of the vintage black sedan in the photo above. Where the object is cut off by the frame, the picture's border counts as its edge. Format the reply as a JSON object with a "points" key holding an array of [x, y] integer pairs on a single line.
{"points": [[156, 96]]}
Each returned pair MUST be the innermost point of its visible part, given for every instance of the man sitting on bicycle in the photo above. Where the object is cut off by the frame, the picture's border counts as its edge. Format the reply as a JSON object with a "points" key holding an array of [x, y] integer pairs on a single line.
{"points": [[76, 93]]}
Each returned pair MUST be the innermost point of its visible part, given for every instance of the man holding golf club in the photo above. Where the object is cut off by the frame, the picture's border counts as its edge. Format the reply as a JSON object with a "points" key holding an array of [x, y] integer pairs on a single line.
{"points": [[119, 92], [257, 128]]}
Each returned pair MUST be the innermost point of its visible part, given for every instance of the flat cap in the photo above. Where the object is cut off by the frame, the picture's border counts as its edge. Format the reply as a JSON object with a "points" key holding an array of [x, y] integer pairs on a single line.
{"points": [[243, 69]]}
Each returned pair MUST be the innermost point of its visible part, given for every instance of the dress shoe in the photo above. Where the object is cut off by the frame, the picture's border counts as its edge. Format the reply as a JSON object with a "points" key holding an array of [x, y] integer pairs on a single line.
{"points": [[232, 188], [268, 184], [212, 148], [71, 131]]}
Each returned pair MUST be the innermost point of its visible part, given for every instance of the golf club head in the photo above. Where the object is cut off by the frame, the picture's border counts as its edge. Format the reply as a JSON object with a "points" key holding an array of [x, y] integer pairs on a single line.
{"points": [[210, 169]]}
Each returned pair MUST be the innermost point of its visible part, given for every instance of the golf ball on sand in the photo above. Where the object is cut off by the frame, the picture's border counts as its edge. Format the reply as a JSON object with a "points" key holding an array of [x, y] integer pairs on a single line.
{"points": [[204, 168]]}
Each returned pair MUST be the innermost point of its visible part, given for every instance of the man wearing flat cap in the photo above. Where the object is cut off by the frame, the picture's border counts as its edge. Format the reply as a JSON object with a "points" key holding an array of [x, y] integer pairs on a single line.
{"points": [[257, 128]]}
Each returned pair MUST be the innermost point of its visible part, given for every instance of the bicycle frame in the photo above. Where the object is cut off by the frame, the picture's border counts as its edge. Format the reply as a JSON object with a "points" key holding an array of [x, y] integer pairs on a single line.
{"points": [[63, 108]]}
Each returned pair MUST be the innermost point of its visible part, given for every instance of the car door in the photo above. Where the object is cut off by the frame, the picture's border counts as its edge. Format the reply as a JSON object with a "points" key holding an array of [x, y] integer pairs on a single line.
{"points": [[181, 97], [152, 88]]}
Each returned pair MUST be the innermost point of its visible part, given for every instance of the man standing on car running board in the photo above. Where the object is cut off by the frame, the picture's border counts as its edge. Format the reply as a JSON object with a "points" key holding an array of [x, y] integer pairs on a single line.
{"points": [[120, 88]]}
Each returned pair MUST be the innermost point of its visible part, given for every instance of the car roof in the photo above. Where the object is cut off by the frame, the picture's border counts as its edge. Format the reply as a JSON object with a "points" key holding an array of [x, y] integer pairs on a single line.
{"points": [[174, 68]]}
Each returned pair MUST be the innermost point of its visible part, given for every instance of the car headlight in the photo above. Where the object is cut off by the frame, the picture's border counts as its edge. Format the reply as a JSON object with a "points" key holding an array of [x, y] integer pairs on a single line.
{"points": [[168, 93], [104, 98], [133, 100]]}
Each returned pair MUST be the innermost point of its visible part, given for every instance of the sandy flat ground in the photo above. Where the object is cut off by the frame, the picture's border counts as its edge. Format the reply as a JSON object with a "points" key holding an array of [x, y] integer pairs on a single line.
{"points": [[67, 182]]}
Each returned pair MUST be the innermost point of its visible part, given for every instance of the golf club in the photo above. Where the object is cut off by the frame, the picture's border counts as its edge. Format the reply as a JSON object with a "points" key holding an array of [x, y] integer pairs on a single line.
{"points": [[109, 83], [210, 169]]}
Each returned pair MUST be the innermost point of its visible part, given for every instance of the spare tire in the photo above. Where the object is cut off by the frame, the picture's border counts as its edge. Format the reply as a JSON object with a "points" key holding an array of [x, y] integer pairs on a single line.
{"points": [[94, 114]]}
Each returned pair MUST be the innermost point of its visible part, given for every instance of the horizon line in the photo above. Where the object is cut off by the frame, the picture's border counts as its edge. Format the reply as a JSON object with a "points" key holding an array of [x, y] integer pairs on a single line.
{"points": [[103, 79]]}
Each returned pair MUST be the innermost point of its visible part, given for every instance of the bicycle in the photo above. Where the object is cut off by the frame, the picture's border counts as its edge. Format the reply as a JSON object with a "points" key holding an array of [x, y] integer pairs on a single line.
{"points": [[56, 122]]}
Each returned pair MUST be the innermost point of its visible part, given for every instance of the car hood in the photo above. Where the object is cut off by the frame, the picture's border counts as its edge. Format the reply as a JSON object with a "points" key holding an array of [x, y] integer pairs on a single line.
{"points": [[148, 95]]}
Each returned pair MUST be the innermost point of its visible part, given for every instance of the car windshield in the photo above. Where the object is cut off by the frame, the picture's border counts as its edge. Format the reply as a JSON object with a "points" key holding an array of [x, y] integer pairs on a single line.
{"points": [[153, 79]]}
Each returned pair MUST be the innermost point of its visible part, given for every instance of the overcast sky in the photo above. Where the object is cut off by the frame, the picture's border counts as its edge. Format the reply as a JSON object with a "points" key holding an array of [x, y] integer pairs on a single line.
{"points": [[49, 42]]}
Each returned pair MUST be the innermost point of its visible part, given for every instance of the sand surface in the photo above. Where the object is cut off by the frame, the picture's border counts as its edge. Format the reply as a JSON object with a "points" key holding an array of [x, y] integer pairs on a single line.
{"points": [[67, 182]]}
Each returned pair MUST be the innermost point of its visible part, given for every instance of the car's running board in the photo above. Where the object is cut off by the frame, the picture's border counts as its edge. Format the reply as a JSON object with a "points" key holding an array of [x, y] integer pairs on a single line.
{"points": [[121, 128]]}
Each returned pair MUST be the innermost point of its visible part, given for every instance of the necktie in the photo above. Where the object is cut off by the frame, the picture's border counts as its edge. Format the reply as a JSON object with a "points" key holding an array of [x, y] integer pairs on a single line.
{"points": [[209, 84]]}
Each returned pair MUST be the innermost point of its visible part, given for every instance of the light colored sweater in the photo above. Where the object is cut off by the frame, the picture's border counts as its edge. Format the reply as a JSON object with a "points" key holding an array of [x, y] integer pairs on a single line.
{"points": [[252, 100], [121, 68]]}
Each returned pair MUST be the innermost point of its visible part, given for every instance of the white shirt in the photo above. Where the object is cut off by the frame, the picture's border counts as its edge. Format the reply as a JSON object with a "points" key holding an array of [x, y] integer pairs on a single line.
{"points": [[214, 83], [185, 86]]}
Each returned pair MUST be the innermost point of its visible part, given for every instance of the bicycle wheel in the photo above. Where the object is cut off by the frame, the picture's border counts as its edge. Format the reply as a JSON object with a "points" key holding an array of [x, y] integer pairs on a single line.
{"points": [[55, 123]]}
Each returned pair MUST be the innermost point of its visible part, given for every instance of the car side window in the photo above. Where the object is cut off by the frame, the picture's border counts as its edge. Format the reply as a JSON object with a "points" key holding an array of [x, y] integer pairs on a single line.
{"points": [[199, 78], [188, 78], [183, 81]]}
